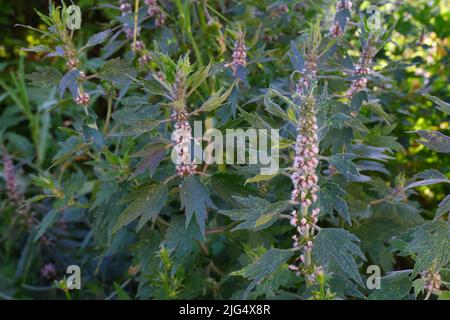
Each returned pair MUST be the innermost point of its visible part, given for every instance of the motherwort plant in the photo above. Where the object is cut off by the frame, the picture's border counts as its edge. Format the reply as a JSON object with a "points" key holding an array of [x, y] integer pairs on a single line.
{"points": [[342, 16], [134, 198], [304, 177], [239, 56], [363, 68]]}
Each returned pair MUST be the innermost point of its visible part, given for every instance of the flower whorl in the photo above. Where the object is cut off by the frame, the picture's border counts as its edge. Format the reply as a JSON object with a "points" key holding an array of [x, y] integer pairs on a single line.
{"points": [[182, 136], [10, 179], [239, 54], [343, 5], [433, 281], [362, 69], [337, 29], [82, 98], [155, 11]]}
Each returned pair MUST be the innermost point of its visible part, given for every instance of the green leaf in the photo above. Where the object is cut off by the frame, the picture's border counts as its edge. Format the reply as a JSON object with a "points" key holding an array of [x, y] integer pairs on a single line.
{"points": [[429, 243], [216, 100], [152, 155], [273, 92], [179, 238], [69, 81], [336, 248], [117, 71], [441, 105], [68, 148], [195, 199], [443, 207], [343, 163], [387, 220], [98, 38], [44, 77], [357, 100], [276, 110], [434, 140], [156, 86], [138, 127], [339, 121], [394, 286], [254, 120], [258, 213], [146, 202], [260, 177], [195, 80], [263, 267], [428, 177], [49, 220], [226, 185], [331, 197]]}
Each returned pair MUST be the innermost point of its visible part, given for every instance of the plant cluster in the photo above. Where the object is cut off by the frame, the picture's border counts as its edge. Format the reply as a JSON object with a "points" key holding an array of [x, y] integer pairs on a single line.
{"points": [[121, 105]]}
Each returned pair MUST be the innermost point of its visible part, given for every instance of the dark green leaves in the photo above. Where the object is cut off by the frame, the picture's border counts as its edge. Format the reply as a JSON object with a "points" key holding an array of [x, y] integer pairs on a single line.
{"points": [[44, 76], [98, 38], [216, 100], [429, 243], [258, 213], [434, 140], [180, 238], [49, 220], [336, 249], [152, 155], [387, 220], [357, 100], [441, 105], [68, 148], [195, 199], [443, 207], [343, 163], [117, 71], [428, 177], [263, 267], [394, 286], [331, 197], [196, 79], [296, 58], [69, 81], [145, 202]]}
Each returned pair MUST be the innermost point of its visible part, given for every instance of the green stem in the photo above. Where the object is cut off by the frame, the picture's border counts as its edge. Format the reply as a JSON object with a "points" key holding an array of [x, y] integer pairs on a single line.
{"points": [[108, 115]]}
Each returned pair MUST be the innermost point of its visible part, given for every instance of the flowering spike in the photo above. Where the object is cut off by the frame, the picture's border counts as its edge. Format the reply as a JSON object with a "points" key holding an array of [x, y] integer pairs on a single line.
{"points": [[362, 69], [239, 54]]}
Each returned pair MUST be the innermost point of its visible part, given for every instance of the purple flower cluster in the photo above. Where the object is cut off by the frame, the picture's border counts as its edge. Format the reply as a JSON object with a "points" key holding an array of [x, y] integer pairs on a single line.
{"points": [[239, 54], [433, 281], [183, 138], [82, 98], [343, 5], [362, 69], [72, 63], [48, 271], [155, 11], [13, 193], [126, 9], [336, 29]]}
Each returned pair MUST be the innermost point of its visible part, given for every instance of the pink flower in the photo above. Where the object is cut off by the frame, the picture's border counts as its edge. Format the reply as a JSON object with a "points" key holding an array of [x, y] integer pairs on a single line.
{"points": [[82, 98], [239, 54], [48, 271], [10, 179], [183, 138]]}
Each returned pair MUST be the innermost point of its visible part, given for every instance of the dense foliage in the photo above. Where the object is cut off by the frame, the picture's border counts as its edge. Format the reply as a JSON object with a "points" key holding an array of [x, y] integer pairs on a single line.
{"points": [[91, 119]]}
